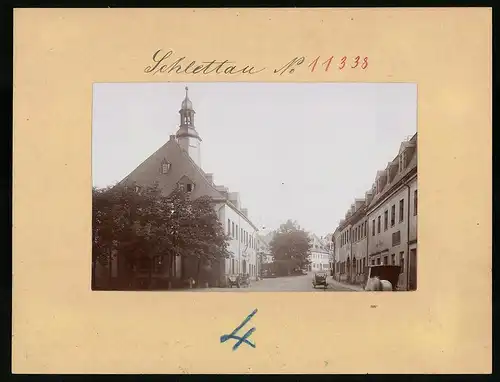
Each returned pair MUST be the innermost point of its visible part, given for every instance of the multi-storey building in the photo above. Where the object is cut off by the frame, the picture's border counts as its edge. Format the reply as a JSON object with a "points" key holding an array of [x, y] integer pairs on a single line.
{"points": [[319, 257], [177, 164], [382, 228]]}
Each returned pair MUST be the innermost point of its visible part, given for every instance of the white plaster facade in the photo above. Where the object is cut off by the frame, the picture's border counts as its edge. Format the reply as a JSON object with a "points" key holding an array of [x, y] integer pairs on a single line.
{"points": [[319, 257], [243, 243]]}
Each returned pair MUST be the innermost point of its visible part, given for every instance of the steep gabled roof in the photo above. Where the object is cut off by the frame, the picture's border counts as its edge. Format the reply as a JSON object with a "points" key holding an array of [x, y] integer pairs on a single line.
{"points": [[412, 165], [149, 172], [182, 165]]}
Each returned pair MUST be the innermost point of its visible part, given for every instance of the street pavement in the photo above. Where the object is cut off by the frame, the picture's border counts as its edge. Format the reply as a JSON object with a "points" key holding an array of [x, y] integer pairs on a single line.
{"points": [[301, 283]]}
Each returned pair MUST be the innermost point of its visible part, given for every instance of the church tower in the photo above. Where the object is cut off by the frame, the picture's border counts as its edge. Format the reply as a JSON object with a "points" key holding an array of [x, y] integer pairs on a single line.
{"points": [[187, 136]]}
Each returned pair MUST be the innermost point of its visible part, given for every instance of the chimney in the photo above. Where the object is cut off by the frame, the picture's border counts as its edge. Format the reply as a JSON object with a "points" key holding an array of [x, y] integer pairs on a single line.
{"points": [[172, 138], [210, 178], [234, 198], [369, 196]]}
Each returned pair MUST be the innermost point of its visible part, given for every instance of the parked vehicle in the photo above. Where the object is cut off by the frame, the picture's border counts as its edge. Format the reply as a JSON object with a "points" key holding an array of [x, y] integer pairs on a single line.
{"points": [[245, 280], [233, 280], [382, 278], [320, 278], [268, 274], [304, 271]]}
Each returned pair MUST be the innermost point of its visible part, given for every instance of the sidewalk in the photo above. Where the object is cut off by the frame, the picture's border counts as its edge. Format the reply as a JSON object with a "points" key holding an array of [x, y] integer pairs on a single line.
{"points": [[332, 281]]}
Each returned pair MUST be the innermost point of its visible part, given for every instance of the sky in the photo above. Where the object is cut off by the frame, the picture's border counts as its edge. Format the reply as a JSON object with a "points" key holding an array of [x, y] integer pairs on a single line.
{"points": [[300, 151]]}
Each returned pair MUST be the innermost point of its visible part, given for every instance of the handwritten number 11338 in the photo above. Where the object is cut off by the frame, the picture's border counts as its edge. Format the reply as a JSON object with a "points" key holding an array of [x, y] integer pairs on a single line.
{"points": [[344, 61]]}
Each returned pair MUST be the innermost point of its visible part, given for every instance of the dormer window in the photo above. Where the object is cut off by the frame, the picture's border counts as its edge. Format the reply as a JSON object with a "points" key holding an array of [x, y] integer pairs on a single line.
{"points": [[165, 166], [402, 161], [189, 187]]}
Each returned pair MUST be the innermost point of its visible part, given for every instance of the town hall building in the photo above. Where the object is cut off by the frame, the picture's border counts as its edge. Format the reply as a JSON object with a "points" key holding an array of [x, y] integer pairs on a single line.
{"points": [[177, 164]]}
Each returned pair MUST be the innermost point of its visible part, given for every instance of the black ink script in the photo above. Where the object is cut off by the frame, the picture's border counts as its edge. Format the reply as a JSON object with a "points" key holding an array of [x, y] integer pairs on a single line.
{"points": [[165, 63], [289, 66], [234, 333]]}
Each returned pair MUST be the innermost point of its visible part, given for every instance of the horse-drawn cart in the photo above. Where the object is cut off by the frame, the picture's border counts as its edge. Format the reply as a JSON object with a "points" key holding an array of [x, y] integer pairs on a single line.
{"points": [[383, 278]]}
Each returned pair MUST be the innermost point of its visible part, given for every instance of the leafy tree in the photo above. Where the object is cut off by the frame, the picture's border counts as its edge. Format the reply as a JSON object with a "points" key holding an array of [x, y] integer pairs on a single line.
{"points": [[139, 224], [290, 247]]}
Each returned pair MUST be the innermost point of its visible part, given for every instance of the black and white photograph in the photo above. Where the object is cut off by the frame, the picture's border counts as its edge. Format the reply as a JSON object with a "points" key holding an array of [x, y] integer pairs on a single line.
{"points": [[254, 187]]}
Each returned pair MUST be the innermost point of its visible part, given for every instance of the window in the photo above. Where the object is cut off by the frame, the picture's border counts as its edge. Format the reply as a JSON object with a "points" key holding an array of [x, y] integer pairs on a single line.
{"points": [[237, 229], [232, 232], [373, 227], [228, 226], [355, 233], [402, 161], [386, 219], [366, 225], [378, 260], [241, 235], [378, 224], [396, 238], [402, 261], [157, 263], [401, 210], [393, 215], [386, 259], [393, 259], [364, 265], [189, 187], [415, 203], [373, 261], [165, 167]]}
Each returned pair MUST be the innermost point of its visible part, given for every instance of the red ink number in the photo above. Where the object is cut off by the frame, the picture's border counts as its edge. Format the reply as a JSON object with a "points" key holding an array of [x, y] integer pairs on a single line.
{"points": [[365, 63], [327, 62], [314, 64], [342, 62], [356, 62]]}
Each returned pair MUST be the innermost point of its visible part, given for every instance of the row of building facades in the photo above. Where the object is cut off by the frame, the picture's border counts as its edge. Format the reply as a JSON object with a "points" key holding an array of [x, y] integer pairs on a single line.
{"points": [[381, 227]]}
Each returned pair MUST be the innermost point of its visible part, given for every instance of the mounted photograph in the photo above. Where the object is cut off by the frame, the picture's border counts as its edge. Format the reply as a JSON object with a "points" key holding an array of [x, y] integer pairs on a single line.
{"points": [[254, 187]]}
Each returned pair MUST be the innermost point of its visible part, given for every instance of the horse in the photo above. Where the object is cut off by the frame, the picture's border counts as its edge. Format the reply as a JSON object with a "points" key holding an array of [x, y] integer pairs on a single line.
{"points": [[376, 285]]}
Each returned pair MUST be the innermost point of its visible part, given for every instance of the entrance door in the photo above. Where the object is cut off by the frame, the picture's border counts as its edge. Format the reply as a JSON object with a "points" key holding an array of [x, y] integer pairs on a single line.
{"points": [[413, 269]]}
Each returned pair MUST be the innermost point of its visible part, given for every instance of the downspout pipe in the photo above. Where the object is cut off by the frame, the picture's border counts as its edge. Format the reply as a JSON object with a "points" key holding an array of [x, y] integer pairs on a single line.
{"points": [[367, 240], [407, 236], [352, 257]]}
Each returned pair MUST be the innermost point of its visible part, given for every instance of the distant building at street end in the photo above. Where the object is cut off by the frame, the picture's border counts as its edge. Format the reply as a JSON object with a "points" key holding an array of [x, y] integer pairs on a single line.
{"points": [[329, 245], [177, 164], [319, 257], [381, 228], [263, 248]]}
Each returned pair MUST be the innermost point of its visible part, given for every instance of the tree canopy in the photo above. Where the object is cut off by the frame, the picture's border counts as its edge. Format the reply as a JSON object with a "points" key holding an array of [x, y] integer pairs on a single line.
{"points": [[141, 223], [291, 245]]}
